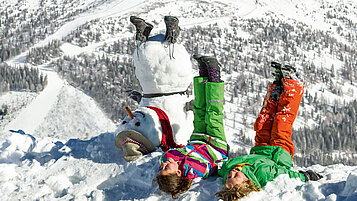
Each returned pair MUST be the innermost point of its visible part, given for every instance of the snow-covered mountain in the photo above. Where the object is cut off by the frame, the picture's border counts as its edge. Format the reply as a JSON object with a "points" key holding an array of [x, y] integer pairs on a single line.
{"points": [[62, 144]]}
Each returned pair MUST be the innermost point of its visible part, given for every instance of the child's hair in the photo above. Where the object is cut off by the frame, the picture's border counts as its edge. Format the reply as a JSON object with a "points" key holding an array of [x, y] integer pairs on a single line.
{"points": [[238, 191], [173, 184]]}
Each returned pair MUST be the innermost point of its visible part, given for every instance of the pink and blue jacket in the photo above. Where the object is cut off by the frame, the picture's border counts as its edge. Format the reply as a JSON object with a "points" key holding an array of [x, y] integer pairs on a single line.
{"points": [[199, 158]]}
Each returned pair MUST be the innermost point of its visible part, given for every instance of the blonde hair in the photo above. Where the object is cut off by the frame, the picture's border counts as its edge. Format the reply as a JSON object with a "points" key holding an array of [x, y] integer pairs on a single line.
{"points": [[173, 184], [238, 191]]}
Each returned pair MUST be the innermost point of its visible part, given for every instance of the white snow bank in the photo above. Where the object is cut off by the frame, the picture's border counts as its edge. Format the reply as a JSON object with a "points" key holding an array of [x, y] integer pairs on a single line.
{"points": [[351, 185], [15, 147], [58, 111], [15, 101], [50, 169]]}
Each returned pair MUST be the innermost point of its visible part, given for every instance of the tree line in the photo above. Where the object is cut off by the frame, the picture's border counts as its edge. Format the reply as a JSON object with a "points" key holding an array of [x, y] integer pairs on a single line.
{"points": [[21, 79], [337, 132]]}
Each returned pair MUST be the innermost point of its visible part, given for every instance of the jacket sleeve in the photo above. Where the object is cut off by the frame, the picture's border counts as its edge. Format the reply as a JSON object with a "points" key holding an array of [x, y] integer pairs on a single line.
{"points": [[190, 173], [267, 172]]}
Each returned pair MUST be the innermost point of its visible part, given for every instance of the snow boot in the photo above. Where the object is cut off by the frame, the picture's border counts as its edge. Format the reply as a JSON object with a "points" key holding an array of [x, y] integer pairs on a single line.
{"points": [[278, 75], [143, 28], [284, 71], [213, 68], [202, 68], [281, 71], [172, 29]]}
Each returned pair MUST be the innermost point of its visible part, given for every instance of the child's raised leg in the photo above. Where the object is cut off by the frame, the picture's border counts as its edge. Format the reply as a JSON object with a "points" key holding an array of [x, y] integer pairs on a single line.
{"points": [[214, 110], [199, 90], [264, 122], [287, 110], [209, 93], [199, 105]]}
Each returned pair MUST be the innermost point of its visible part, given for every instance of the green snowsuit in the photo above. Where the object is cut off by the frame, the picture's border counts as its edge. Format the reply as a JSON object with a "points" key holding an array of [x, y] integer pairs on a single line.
{"points": [[264, 163], [207, 148], [273, 151]]}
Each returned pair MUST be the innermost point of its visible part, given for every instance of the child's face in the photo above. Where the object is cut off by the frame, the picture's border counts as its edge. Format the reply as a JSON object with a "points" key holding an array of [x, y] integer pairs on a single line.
{"points": [[170, 167], [235, 177]]}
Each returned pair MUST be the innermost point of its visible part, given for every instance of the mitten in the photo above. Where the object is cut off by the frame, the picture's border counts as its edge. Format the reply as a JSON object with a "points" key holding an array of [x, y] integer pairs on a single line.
{"points": [[135, 95]]}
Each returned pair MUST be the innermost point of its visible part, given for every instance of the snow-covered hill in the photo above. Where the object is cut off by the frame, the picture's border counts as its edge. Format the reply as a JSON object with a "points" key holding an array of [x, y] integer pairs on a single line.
{"points": [[62, 144], [58, 111]]}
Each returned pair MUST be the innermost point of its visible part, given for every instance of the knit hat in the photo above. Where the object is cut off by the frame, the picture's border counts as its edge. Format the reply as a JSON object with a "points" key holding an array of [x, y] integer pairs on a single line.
{"points": [[133, 144]]}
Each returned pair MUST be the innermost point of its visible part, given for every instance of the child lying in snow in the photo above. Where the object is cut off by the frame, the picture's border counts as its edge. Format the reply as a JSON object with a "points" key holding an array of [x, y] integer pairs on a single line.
{"points": [[207, 148], [271, 156], [273, 151]]}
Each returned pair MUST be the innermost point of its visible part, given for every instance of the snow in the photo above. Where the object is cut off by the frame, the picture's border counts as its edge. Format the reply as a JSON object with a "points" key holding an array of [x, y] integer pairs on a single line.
{"points": [[111, 9], [58, 111], [74, 115], [67, 151], [71, 50], [15, 101], [38, 168], [39, 107], [351, 185]]}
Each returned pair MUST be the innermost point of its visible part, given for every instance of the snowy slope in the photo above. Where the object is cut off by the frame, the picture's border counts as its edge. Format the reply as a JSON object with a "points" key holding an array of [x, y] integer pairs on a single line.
{"points": [[68, 152], [38, 108], [59, 111]]}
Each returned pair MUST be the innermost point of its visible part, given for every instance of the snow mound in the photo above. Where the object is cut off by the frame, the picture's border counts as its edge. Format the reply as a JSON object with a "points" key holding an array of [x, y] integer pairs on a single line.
{"points": [[351, 186], [15, 147]]}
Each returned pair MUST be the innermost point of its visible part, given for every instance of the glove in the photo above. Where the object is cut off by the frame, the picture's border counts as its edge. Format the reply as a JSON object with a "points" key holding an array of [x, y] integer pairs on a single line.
{"points": [[189, 106], [311, 175], [135, 95], [131, 151]]}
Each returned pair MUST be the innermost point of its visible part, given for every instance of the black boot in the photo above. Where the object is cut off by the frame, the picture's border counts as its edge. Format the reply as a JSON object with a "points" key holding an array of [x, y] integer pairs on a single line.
{"points": [[278, 75], [143, 28], [172, 29], [202, 68], [213, 68], [284, 71], [281, 71]]}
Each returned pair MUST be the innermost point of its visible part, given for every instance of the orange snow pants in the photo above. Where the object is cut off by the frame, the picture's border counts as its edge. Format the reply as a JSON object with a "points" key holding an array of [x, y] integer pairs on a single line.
{"points": [[274, 124]]}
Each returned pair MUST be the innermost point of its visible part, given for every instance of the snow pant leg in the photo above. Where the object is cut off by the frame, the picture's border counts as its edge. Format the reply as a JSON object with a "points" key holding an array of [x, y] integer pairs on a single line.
{"points": [[287, 110], [199, 105], [208, 120], [214, 110], [264, 122]]}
